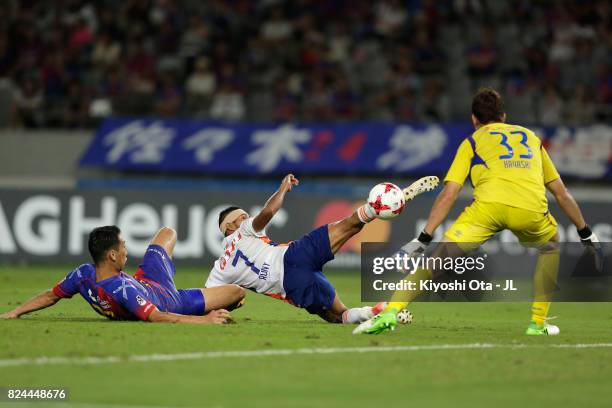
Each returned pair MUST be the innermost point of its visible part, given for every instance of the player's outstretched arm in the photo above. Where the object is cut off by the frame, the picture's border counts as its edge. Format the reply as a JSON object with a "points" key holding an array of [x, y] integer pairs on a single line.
{"points": [[566, 202], [570, 207], [442, 206], [439, 211], [214, 317], [40, 301], [274, 203]]}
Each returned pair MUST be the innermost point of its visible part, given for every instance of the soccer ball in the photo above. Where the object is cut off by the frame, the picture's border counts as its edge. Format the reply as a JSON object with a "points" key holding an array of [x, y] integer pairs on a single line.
{"points": [[387, 200], [404, 316]]}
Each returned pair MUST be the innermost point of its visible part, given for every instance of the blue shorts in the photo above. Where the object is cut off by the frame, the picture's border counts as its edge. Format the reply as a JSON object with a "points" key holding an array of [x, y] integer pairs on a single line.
{"points": [[158, 269], [304, 282]]}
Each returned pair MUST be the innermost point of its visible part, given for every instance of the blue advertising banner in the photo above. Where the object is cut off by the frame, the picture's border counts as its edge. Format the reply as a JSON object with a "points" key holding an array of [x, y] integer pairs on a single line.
{"points": [[340, 149]]}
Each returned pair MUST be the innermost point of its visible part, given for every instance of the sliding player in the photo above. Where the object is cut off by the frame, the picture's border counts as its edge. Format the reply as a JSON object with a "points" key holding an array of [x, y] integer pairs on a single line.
{"points": [[149, 295], [292, 272], [510, 171]]}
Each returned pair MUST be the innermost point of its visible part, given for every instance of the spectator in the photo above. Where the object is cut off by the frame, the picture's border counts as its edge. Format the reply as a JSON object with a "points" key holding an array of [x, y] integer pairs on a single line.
{"points": [[200, 87], [345, 100], [55, 75], [139, 61], [304, 60], [113, 84], [28, 100], [581, 109], [81, 37], [106, 51], [227, 104], [435, 106], [277, 28], [339, 45], [168, 96], [405, 106], [482, 57], [318, 101], [194, 40], [390, 16], [286, 102], [550, 107], [75, 112], [427, 55]]}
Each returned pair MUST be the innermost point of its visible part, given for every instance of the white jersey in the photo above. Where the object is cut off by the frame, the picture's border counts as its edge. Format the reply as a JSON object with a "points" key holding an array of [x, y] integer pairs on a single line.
{"points": [[251, 260]]}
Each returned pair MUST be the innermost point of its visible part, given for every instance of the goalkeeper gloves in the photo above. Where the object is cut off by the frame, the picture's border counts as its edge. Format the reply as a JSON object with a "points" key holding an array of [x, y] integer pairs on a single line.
{"points": [[591, 242], [588, 238], [414, 248], [418, 245]]}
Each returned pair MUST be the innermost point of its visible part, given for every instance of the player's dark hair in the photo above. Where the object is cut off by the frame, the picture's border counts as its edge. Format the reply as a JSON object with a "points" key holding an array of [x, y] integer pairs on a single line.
{"points": [[224, 213], [101, 240], [487, 106]]}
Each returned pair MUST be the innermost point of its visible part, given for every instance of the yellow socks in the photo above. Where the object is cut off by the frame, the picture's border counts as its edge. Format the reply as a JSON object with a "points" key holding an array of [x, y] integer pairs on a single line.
{"points": [[402, 298], [544, 285], [539, 312]]}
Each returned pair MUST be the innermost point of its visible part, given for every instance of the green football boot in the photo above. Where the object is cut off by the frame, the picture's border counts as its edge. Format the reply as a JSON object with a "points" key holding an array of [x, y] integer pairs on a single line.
{"points": [[542, 330], [378, 324]]}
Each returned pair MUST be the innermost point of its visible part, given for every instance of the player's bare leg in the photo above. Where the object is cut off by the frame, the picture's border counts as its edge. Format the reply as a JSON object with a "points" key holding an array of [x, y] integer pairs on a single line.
{"points": [[165, 238], [226, 297], [341, 231], [334, 315]]}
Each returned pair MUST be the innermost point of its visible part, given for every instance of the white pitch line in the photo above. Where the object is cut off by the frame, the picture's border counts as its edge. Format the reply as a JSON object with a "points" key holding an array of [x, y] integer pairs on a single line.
{"points": [[146, 358]]}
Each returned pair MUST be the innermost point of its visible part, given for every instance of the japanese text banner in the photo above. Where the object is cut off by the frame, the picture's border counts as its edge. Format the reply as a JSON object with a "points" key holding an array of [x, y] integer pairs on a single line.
{"points": [[355, 148]]}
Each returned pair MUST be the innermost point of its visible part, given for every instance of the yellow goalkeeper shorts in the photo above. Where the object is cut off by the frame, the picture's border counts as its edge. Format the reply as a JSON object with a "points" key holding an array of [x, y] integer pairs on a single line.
{"points": [[480, 221]]}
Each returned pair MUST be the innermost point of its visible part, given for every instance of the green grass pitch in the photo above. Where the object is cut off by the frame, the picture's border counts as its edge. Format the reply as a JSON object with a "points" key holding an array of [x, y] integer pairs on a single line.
{"points": [[522, 371]]}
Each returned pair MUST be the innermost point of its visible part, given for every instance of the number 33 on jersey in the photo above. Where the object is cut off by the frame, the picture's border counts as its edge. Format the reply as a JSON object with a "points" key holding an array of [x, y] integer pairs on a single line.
{"points": [[506, 164]]}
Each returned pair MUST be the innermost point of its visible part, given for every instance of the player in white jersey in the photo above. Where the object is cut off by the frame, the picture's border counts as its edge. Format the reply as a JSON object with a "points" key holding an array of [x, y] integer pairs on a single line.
{"points": [[290, 272]]}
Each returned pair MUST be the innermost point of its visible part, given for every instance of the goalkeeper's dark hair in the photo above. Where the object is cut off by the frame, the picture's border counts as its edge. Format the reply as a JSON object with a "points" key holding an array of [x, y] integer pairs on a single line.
{"points": [[101, 240], [224, 213], [487, 106]]}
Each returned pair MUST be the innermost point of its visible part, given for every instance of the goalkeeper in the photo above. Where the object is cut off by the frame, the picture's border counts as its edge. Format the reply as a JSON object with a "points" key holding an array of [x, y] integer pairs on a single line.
{"points": [[510, 171]]}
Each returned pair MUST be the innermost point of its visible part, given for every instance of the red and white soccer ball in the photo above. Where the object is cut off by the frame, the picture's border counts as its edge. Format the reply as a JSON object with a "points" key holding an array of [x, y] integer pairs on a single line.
{"points": [[387, 200]]}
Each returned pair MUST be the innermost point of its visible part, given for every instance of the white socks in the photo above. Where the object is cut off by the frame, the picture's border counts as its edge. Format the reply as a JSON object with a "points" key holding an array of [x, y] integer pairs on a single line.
{"points": [[366, 213], [357, 315]]}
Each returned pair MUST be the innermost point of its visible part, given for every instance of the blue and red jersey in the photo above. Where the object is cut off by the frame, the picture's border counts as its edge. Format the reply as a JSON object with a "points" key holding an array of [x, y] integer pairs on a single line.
{"points": [[120, 297], [127, 297]]}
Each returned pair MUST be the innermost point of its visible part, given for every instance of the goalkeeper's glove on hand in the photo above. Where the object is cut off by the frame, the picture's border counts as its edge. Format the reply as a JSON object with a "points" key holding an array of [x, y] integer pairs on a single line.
{"points": [[590, 240], [418, 245], [588, 237], [413, 249]]}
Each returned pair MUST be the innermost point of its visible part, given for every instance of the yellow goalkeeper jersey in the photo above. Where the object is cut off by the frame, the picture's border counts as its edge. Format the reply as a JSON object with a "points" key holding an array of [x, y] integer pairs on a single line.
{"points": [[507, 164]]}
